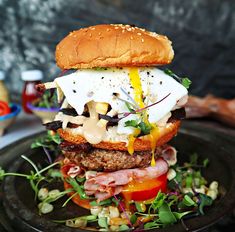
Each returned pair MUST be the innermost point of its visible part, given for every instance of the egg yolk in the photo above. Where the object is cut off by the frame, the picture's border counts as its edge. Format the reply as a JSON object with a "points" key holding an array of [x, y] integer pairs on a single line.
{"points": [[138, 97]]}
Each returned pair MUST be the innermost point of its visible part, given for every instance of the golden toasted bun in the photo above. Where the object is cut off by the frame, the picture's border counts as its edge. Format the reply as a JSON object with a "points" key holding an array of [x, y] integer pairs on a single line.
{"points": [[113, 46], [140, 144]]}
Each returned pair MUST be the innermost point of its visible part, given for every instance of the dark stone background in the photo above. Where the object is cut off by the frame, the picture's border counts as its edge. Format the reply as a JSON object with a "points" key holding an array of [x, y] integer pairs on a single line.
{"points": [[202, 31]]}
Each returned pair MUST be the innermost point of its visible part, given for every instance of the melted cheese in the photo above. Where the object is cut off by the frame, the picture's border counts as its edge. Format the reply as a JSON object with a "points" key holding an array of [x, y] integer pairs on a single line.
{"points": [[92, 131]]}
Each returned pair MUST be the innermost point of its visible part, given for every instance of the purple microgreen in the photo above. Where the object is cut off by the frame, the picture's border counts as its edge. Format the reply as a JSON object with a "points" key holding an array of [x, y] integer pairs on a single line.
{"points": [[47, 154], [123, 210], [146, 107]]}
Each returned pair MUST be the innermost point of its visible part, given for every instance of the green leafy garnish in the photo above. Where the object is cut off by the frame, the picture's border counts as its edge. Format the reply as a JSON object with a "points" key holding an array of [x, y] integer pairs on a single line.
{"points": [[123, 228], [186, 82], [47, 100], [165, 215], [132, 123], [129, 106], [205, 162], [183, 80], [144, 127], [2, 172], [204, 201], [158, 201], [104, 202], [50, 141], [78, 188], [102, 221], [35, 177], [188, 201]]}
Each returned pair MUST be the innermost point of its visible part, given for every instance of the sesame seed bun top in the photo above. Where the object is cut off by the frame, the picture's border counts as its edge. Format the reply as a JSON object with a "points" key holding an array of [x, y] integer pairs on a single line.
{"points": [[113, 46]]}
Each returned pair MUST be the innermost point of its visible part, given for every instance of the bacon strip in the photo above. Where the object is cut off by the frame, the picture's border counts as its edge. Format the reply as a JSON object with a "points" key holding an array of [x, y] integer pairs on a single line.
{"points": [[105, 184]]}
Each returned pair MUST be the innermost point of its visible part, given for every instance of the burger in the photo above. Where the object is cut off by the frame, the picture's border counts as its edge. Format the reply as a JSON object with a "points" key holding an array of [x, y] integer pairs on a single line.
{"points": [[118, 111]]}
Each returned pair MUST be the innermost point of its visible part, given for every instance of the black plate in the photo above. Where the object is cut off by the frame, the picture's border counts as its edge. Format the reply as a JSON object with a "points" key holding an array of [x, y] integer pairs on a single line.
{"points": [[19, 202]]}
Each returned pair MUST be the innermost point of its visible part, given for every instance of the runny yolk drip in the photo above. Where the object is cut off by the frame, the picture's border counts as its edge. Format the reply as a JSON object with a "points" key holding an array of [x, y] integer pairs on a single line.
{"points": [[132, 138], [153, 136], [138, 97], [137, 87]]}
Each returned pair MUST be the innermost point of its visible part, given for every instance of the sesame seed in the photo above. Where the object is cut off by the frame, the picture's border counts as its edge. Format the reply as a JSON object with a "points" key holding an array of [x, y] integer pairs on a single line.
{"points": [[116, 27], [99, 33], [138, 33], [108, 29], [90, 34], [93, 28], [123, 31], [142, 40], [131, 37]]}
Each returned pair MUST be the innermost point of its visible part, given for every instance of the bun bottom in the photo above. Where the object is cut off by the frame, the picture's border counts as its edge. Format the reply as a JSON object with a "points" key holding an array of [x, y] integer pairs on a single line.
{"points": [[140, 144]]}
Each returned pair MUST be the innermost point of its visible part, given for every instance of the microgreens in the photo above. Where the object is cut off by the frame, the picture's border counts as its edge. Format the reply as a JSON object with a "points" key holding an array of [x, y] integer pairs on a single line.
{"points": [[50, 141], [168, 208], [47, 100], [183, 80], [145, 128], [78, 188], [34, 178]]}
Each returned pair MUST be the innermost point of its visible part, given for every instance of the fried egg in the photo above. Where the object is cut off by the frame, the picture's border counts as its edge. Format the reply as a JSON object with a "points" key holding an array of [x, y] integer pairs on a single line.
{"points": [[120, 87]]}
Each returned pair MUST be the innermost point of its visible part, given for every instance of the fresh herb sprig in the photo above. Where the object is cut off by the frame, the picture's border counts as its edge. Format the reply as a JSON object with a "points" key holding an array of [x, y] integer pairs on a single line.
{"points": [[47, 100], [35, 176], [50, 141], [183, 80], [144, 128]]}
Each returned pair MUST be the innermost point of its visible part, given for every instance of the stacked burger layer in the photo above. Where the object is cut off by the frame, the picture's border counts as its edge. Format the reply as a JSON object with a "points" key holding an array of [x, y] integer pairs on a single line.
{"points": [[118, 111]]}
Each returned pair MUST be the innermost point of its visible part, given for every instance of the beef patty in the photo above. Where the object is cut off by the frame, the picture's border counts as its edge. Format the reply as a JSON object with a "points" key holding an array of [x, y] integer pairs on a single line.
{"points": [[106, 160]]}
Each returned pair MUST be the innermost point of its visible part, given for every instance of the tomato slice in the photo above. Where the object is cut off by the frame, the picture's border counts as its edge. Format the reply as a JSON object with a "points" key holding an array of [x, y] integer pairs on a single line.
{"points": [[145, 189], [4, 108]]}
